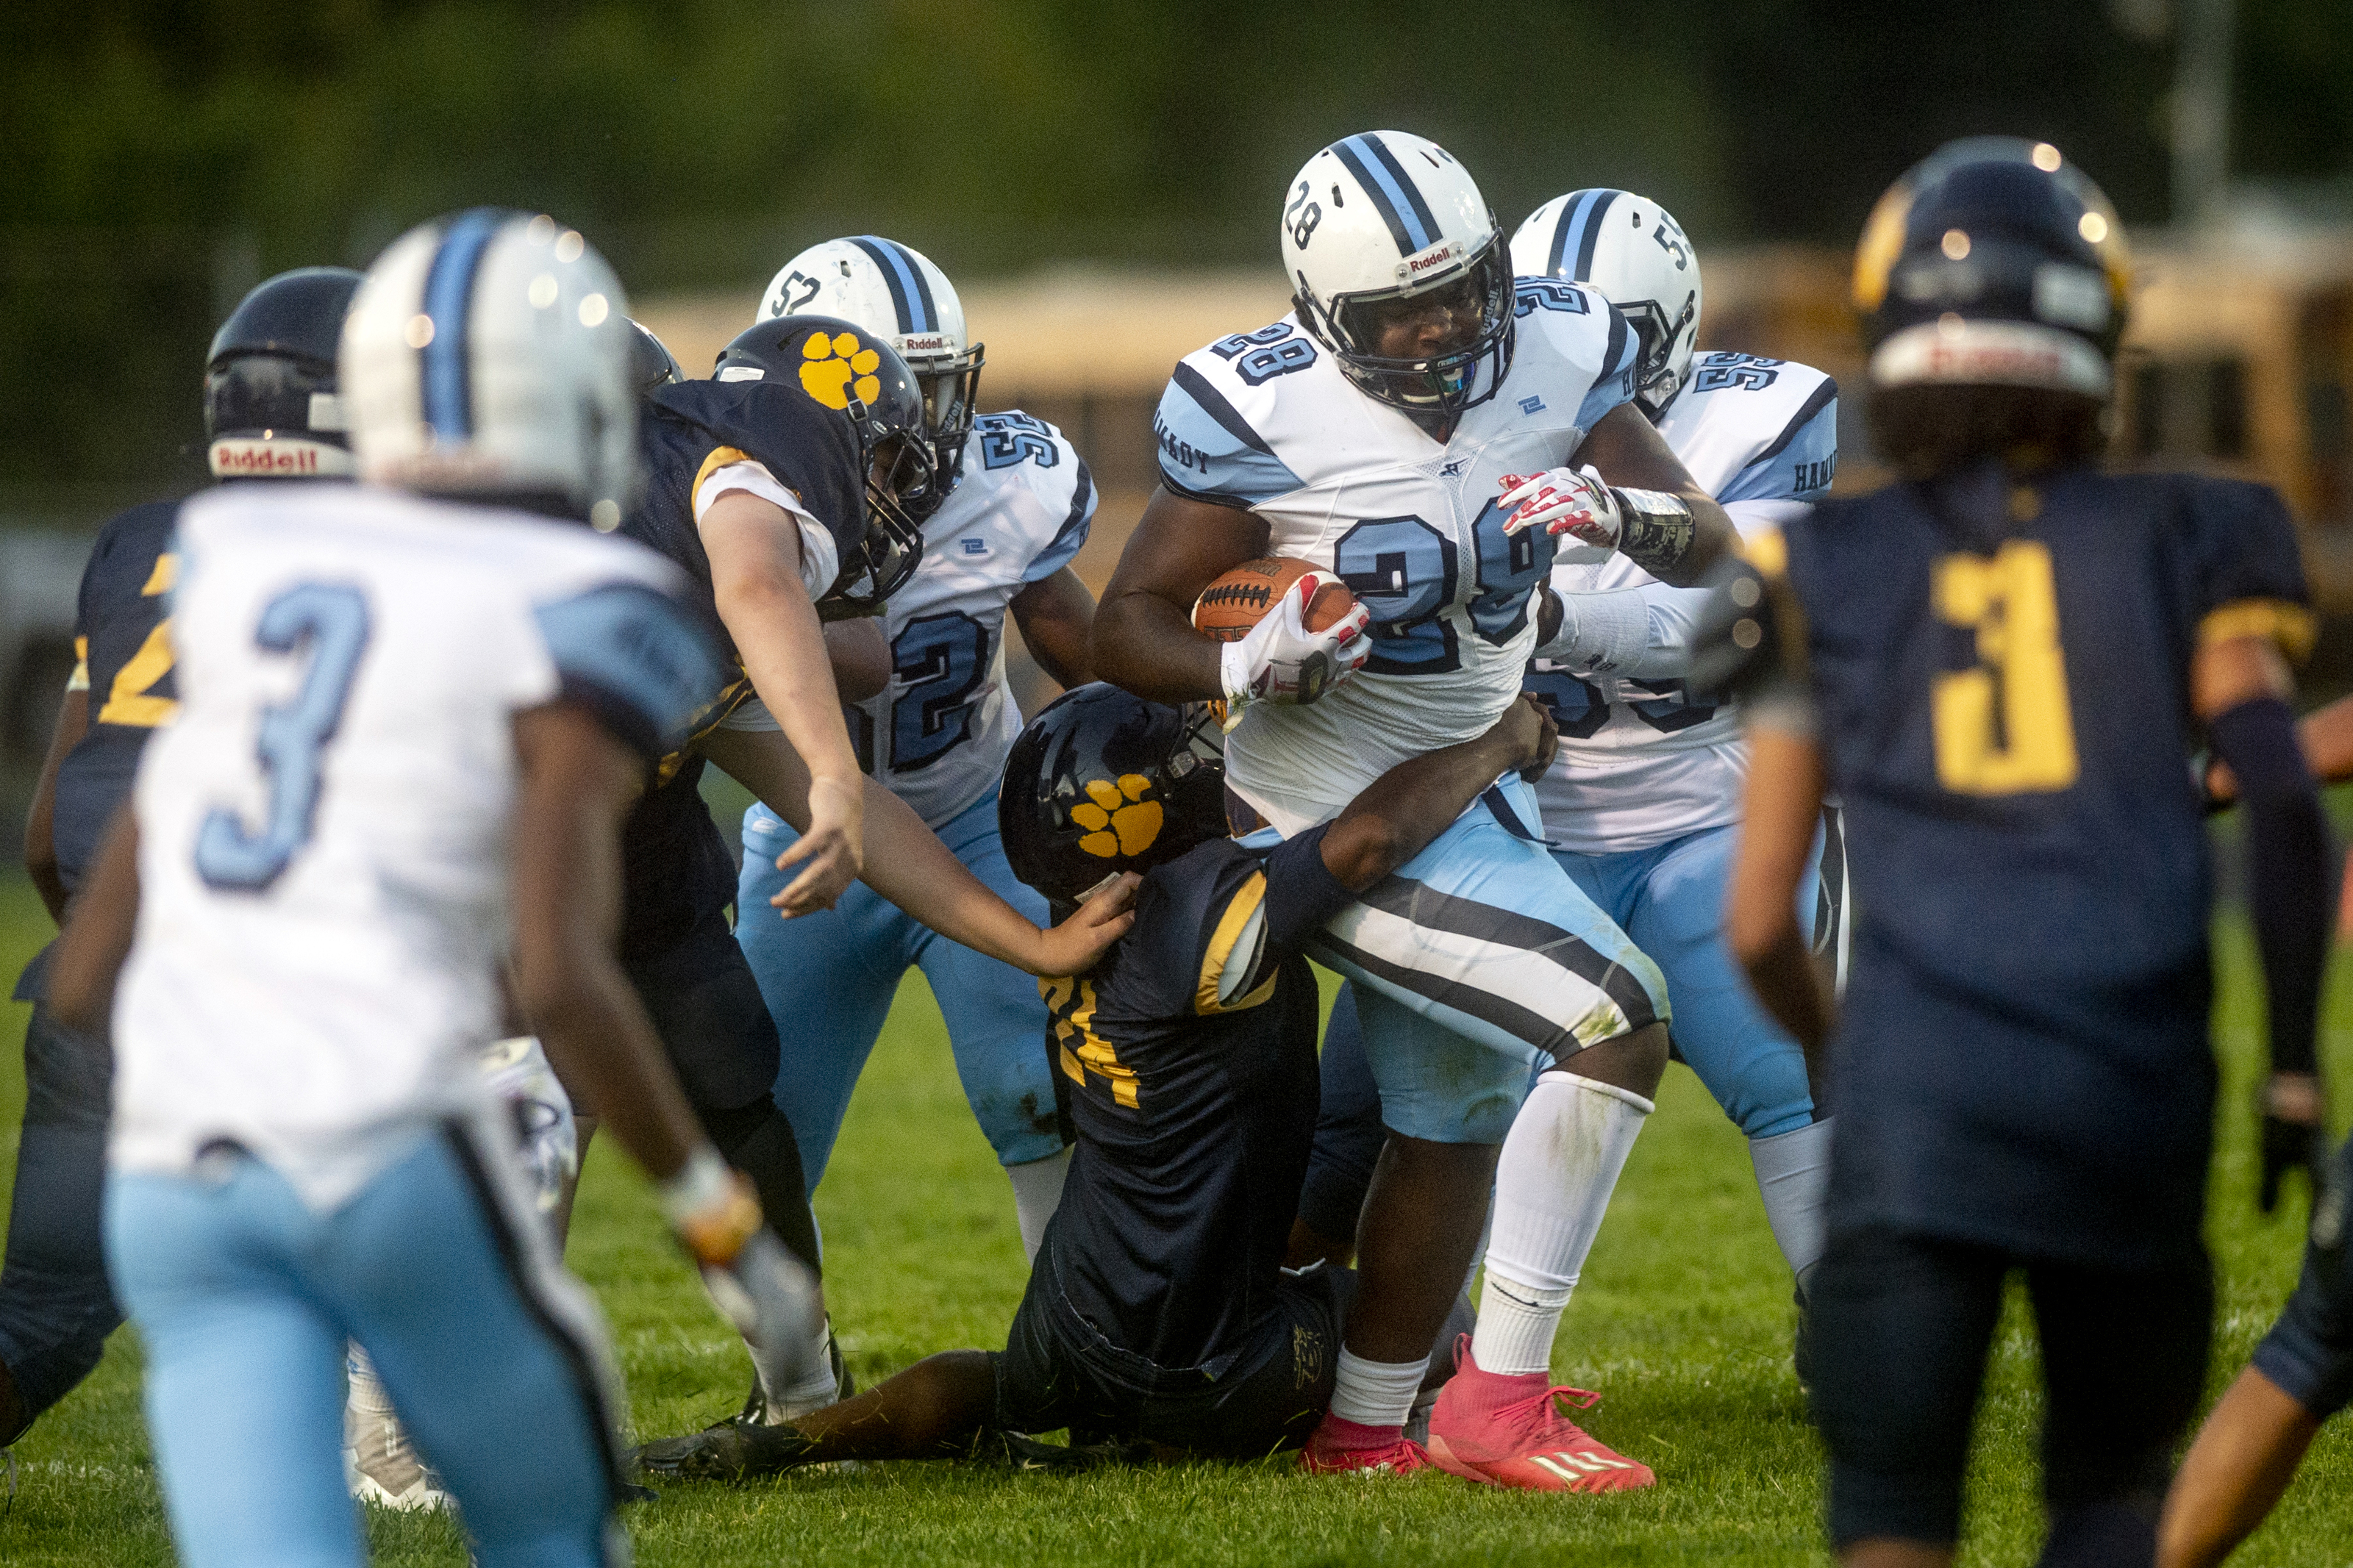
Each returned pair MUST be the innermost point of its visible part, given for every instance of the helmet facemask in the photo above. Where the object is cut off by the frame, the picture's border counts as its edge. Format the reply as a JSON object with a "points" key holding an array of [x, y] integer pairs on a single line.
{"points": [[1479, 296], [951, 392], [902, 490], [1655, 378]]}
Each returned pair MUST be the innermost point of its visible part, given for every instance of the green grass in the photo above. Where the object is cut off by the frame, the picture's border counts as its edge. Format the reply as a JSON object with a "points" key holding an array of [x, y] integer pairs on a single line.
{"points": [[1683, 1320]]}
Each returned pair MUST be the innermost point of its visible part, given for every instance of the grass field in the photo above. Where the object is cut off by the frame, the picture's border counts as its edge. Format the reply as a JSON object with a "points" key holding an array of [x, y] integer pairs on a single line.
{"points": [[1683, 1320]]}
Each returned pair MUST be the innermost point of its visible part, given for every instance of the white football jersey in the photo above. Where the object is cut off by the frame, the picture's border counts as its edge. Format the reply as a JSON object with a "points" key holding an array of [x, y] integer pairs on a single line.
{"points": [[1266, 420], [325, 828], [938, 734], [1639, 762]]}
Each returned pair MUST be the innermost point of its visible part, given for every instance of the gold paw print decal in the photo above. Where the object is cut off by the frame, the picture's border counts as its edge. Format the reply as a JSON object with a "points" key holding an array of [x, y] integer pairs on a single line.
{"points": [[1119, 819], [836, 367]]}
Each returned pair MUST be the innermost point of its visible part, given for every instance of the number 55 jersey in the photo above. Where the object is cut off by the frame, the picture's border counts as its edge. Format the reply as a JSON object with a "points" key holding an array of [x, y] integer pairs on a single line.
{"points": [[1641, 762], [1266, 421], [325, 828], [2000, 677]]}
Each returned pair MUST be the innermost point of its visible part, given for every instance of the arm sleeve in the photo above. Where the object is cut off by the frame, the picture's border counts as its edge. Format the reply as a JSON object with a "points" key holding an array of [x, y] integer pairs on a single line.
{"points": [[1067, 541], [635, 657], [2289, 863], [1642, 633]]}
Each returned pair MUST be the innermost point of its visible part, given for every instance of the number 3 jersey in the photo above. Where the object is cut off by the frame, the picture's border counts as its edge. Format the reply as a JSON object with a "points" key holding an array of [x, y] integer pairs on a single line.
{"points": [[938, 734], [1266, 421], [2000, 678], [324, 827], [1640, 763]]}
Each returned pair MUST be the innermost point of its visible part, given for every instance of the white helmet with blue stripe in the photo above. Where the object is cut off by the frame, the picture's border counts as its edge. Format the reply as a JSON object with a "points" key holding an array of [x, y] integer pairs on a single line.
{"points": [[488, 355], [895, 292], [1633, 251], [1384, 228]]}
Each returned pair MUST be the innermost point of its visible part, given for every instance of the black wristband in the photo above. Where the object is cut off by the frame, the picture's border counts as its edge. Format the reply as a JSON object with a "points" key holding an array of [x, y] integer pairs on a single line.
{"points": [[1655, 529]]}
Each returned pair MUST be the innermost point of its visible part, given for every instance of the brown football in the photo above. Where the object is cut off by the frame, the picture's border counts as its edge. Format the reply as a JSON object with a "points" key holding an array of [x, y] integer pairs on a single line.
{"points": [[1228, 608]]}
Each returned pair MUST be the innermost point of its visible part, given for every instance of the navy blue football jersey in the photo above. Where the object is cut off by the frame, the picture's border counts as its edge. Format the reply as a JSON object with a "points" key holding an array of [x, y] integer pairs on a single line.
{"points": [[2002, 676], [1187, 1058], [675, 866], [122, 635]]}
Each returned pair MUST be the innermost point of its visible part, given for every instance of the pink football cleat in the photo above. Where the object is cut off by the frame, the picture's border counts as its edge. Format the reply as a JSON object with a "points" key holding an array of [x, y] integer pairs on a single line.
{"points": [[1505, 1430], [1345, 1448]]}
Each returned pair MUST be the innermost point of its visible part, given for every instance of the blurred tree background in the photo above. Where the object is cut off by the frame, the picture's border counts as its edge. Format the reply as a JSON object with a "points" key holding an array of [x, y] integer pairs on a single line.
{"points": [[162, 155]]}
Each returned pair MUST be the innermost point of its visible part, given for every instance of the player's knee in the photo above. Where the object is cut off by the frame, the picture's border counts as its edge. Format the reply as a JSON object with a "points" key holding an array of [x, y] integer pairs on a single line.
{"points": [[1634, 1061], [1767, 1094]]}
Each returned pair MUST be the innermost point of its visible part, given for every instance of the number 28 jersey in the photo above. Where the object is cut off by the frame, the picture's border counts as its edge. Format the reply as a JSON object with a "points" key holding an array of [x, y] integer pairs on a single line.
{"points": [[1267, 421], [938, 734], [324, 826]]}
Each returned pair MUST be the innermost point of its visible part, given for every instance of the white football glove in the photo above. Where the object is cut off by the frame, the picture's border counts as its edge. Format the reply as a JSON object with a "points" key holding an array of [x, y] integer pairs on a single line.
{"points": [[1564, 501], [1280, 660]]}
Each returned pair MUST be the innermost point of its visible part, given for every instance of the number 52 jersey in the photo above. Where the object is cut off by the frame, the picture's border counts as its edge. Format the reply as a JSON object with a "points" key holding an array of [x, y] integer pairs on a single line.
{"points": [[1266, 421], [324, 845]]}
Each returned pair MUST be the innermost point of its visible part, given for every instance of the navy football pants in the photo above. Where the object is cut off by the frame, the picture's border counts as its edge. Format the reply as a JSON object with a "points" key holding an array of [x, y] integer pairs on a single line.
{"points": [[1902, 1322], [56, 1307]]}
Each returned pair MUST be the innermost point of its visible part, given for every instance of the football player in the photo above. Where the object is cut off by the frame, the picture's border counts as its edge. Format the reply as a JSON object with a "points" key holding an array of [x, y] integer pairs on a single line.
{"points": [[1158, 1310], [409, 726], [1999, 663], [2248, 1450], [271, 413], [1009, 509], [1642, 803], [1416, 426], [785, 488]]}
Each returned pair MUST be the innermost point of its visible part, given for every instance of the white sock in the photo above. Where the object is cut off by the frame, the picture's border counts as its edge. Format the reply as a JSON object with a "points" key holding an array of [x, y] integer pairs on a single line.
{"points": [[1559, 1164], [1793, 1175], [365, 1391], [1377, 1394], [1036, 1193]]}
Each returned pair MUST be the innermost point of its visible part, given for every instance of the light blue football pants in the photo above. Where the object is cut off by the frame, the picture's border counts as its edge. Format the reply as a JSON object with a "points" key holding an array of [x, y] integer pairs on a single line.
{"points": [[244, 1298], [828, 979], [1669, 899], [1477, 963]]}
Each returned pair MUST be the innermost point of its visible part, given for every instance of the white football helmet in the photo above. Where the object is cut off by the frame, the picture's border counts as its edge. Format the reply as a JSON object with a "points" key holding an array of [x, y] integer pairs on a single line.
{"points": [[1384, 226], [1633, 250], [488, 355], [895, 292]]}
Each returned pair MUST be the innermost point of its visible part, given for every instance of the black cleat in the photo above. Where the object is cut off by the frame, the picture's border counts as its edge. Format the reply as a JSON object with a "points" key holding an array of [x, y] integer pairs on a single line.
{"points": [[727, 1452]]}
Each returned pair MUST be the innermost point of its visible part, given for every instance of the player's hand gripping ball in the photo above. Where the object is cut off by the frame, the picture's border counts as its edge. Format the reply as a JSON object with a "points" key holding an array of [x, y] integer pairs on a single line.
{"points": [[1291, 632], [1563, 500]]}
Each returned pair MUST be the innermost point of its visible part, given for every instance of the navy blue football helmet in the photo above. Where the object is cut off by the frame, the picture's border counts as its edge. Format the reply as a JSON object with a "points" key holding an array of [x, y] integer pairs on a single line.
{"points": [[1102, 781], [844, 367], [271, 408], [1994, 262], [651, 364]]}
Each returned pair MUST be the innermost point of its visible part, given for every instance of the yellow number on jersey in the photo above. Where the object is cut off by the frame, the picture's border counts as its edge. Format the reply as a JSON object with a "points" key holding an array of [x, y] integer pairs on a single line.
{"points": [[128, 702], [2004, 727]]}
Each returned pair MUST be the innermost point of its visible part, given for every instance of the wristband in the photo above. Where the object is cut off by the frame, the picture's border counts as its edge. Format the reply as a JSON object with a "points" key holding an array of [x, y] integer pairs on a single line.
{"points": [[709, 1207], [1655, 529]]}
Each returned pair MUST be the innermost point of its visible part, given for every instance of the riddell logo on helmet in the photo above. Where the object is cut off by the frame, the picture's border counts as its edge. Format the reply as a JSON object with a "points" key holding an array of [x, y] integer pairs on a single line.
{"points": [[244, 458], [936, 344], [1445, 253]]}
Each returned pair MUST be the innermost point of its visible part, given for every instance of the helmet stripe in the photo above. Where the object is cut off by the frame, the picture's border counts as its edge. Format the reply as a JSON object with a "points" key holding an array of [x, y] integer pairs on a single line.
{"points": [[445, 379], [1385, 183], [930, 312], [1592, 235], [901, 278], [1564, 231], [1413, 199]]}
